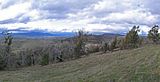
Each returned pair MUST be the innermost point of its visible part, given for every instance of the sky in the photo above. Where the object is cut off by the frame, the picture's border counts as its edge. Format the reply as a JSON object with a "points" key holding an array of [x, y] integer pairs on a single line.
{"points": [[112, 16]]}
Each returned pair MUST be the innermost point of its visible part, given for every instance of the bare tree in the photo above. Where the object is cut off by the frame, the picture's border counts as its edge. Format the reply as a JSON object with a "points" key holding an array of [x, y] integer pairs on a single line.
{"points": [[8, 42]]}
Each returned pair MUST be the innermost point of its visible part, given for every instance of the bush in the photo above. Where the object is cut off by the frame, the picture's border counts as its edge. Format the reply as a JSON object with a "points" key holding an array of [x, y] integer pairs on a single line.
{"points": [[91, 48], [2, 63], [113, 44], [45, 60], [122, 44], [28, 60], [105, 47]]}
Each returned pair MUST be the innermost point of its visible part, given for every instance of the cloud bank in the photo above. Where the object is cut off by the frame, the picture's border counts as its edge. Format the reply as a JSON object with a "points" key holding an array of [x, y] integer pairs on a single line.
{"points": [[113, 16]]}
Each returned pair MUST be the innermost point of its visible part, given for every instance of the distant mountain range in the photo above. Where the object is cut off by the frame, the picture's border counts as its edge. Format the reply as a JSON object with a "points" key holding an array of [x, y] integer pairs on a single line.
{"points": [[42, 34], [45, 34], [39, 34]]}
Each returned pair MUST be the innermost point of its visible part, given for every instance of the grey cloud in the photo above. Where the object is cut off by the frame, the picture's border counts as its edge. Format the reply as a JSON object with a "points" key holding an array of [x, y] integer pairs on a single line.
{"points": [[8, 21], [24, 19], [11, 20], [8, 3], [152, 5], [59, 8], [118, 31]]}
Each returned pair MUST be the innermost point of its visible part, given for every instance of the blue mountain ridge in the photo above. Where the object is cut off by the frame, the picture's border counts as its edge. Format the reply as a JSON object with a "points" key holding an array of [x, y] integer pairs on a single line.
{"points": [[39, 34]]}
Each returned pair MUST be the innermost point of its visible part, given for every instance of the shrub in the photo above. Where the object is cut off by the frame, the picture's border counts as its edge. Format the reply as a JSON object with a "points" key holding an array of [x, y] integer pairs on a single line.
{"points": [[2, 63], [122, 44], [105, 47], [45, 60], [91, 48], [113, 44]]}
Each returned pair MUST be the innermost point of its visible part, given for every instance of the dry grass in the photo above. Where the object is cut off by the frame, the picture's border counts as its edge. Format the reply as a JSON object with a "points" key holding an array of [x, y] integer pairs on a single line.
{"points": [[137, 65]]}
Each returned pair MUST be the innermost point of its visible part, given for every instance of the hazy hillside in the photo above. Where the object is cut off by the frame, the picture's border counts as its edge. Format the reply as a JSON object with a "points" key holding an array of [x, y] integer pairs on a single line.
{"points": [[137, 65]]}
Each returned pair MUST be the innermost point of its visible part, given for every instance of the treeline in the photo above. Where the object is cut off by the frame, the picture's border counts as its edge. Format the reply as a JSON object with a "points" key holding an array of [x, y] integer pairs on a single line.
{"points": [[132, 39], [64, 50]]}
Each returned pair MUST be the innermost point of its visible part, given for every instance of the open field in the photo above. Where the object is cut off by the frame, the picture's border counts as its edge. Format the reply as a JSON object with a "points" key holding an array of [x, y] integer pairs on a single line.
{"points": [[137, 65]]}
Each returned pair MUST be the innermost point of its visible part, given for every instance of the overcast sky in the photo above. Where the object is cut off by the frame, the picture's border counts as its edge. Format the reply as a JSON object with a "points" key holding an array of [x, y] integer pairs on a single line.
{"points": [[116, 16]]}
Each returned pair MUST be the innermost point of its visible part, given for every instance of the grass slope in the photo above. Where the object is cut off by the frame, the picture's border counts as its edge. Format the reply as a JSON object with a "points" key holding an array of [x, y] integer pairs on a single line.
{"points": [[138, 65]]}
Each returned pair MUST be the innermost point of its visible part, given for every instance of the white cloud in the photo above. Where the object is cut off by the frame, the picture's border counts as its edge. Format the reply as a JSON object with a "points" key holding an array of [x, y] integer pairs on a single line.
{"points": [[132, 16], [32, 15], [13, 11]]}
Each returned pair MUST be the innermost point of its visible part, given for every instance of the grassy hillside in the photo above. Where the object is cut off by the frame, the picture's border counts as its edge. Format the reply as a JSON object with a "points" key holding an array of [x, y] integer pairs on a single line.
{"points": [[138, 65]]}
